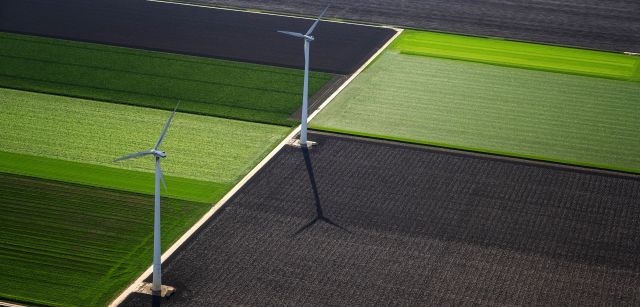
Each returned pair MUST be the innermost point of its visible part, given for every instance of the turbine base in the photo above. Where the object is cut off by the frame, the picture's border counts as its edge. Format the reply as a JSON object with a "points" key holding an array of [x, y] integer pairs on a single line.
{"points": [[297, 144], [145, 288]]}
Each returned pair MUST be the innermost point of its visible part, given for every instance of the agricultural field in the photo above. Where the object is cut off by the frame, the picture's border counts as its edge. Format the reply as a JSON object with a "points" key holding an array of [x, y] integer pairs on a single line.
{"points": [[57, 152], [605, 25], [222, 88], [89, 221], [239, 36], [370, 216], [526, 113], [520, 55], [73, 245], [368, 223], [71, 106], [200, 148]]}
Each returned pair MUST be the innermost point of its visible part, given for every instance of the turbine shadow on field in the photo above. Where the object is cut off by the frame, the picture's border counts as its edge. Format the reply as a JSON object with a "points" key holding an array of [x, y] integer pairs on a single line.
{"points": [[156, 300], [320, 217]]}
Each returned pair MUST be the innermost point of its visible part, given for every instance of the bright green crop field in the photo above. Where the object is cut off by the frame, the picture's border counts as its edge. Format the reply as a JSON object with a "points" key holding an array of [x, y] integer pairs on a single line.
{"points": [[518, 54], [526, 113], [86, 135], [73, 245], [111, 177], [227, 89]]}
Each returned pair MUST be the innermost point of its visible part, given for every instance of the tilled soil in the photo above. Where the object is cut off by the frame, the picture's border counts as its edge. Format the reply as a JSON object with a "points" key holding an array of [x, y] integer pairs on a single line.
{"points": [[339, 48], [606, 25], [361, 222]]}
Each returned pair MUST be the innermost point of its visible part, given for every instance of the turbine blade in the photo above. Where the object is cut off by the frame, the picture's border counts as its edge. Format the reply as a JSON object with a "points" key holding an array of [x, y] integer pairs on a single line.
{"points": [[162, 179], [294, 34], [135, 155], [315, 24], [166, 126]]}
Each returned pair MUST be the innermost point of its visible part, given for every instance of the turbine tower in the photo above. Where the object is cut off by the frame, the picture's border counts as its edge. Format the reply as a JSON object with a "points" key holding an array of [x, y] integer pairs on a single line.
{"points": [[156, 287], [308, 38]]}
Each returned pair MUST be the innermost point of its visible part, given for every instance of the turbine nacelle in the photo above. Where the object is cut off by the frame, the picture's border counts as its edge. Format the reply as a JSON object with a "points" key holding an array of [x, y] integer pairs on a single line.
{"points": [[156, 287], [307, 36], [158, 153]]}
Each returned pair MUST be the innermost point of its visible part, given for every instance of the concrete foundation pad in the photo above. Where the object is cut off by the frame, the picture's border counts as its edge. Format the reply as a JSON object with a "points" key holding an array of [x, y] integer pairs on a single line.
{"points": [[297, 144], [145, 288]]}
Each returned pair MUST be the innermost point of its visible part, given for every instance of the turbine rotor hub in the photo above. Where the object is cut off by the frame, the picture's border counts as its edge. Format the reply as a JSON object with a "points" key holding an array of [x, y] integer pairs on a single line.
{"points": [[159, 154], [309, 38]]}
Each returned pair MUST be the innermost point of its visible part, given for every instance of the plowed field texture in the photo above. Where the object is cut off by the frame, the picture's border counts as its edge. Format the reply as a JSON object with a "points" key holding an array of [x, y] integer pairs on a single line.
{"points": [[76, 228], [603, 25], [357, 222], [339, 48], [569, 106]]}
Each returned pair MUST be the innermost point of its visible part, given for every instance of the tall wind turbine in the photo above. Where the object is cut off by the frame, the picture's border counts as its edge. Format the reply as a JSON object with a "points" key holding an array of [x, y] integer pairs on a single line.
{"points": [[308, 38], [156, 287]]}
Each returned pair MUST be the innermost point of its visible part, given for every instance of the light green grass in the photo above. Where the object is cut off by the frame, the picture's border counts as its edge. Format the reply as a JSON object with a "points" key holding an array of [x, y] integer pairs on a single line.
{"points": [[526, 113], [200, 148], [222, 88], [518, 54], [71, 245], [111, 177]]}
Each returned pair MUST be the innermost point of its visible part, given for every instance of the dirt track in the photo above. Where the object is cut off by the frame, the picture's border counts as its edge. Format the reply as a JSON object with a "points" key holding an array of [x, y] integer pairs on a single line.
{"points": [[357, 222], [608, 25], [339, 48]]}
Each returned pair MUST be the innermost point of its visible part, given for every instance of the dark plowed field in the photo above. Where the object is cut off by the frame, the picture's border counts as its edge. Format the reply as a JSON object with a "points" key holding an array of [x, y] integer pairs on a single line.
{"points": [[356, 222], [607, 25], [339, 48]]}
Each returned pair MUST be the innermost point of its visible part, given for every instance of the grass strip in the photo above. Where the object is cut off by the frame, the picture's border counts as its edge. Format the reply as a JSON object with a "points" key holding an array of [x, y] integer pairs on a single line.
{"points": [[519, 54], [478, 150], [74, 245], [525, 113], [110, 177], [206, 86], [198, 147]]}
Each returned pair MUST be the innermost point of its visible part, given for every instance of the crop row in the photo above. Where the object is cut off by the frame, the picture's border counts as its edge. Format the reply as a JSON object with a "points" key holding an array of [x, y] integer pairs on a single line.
{"points": [[222, 88], [80, 244]]}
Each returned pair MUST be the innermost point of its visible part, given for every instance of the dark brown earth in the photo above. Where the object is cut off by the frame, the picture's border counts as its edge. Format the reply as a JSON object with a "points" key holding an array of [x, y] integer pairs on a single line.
{"points": [[359, 222], [338, 48], [595, 24]]}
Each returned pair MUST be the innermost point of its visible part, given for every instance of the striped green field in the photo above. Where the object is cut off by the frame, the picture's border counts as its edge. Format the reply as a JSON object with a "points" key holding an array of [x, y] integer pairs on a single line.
{"points": [[519, 54], [221, 88], [111, 177], [526, 113], [73, 245], [90, 134]]}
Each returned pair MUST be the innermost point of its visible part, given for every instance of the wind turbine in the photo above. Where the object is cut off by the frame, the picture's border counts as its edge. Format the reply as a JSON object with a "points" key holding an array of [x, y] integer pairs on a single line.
{"points": [[308, 38], [156, 287]]}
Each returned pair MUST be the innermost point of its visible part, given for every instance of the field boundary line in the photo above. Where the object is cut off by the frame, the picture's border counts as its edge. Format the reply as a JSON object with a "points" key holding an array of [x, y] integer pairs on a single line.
{"points": [[287, 140], [9, 304], [355, 74], [135, 285], [214, 7], [480, 154]]}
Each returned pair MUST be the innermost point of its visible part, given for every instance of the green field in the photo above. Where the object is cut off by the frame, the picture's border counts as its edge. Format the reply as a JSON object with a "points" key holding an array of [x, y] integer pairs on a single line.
{"points": [[72, 245], [111, 177], [228, 89], [518, 54], [526, 113], [91, 134]]}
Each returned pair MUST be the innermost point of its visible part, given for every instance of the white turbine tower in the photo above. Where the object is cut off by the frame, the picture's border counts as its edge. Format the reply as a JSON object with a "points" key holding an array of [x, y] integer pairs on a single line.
{"points": [[156, 287], [308, 38]]}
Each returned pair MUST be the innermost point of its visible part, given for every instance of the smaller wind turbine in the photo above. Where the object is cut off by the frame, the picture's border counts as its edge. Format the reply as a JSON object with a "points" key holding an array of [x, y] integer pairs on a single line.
{"points": [[156, 287], [308, 38]]}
